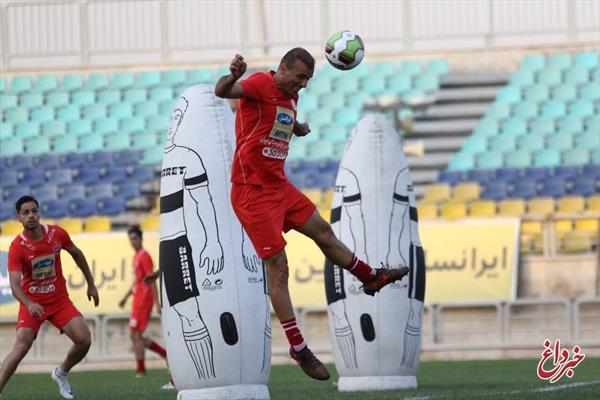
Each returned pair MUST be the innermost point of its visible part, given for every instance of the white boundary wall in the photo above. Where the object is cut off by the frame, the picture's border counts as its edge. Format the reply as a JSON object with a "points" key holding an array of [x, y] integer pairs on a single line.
{"points": [[103, 33]]}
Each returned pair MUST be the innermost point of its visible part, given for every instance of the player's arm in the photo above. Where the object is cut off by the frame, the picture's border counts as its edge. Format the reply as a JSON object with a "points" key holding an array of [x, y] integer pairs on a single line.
{"points": [[151, 278], [81, 261], [228, 86], [14, 278], [125, 298], [301, 129]]}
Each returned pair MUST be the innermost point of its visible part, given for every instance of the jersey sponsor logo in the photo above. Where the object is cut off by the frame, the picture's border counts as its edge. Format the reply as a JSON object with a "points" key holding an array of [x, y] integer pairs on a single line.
{"points": [[283, 126], [274, 153], [168, 171], [43, 267], [274, 143], [44, 289]]}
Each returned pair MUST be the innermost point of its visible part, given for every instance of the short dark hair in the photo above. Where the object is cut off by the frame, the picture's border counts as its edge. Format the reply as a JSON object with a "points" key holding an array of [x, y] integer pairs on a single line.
{"points": [[135, 229], [298, 53], [25, 199]]}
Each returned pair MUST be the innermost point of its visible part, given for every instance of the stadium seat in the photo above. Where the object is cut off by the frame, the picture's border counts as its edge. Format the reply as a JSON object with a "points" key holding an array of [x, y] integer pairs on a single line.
{"points": [[42, 114], [11, 228], [127, 190], [6, 130], [450, 177], [31, 100], [8, 177], [475, 144], [553, 109], [83, 97], [87, 175], [427, 211], [111, 206], [98, 224], [122, 80], [109, 97], [142, 173], [173, 77], [480, 176], [83, 207], [576, 157], [570, 125], [79, 127], [549, 76], [525, 189], [94, 111], [541, 206], [436, 194], [45, 83], [589, 92], [399, 83], [150, 223], [19, 162], [464, 192], [108, 126], [60, 176], [560, 142], [542, 127], [525, 110], [565, 172], [511, 207], [90, 143], [46, 193], [546, 158], [498, 111], [571, 204], [553, 188], [502, 144], [135, 96], [55, 208], [495, 191], [64, 144], [559, 60], [152, 156], [593, 204], [531, 237], [588, 140], [201, 75], [17, 115], [517, 159], [587, 59], [32, 177], [8, 101], [145, 109], [120, 110], [491, 160], [74, 160], [461, 162], [453, 211], [562, 227], [565, 92], [533, 62], [25, 130], [37, 146], [581, 108], [20, 84], [486, 127], [522, 78], [68, 113], [576, 242], [508, 94], [148, 79], [576, 76], [72, 225], [583, 187], [97, 82], [514, 127], [537, 173], [483, 208], [98, 190], [71, 83]]}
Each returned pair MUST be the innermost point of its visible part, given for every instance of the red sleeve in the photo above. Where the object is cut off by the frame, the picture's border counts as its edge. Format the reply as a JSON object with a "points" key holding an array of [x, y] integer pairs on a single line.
{"points": [[146, 263], [253, 85], [63, 236], [14, 257]]}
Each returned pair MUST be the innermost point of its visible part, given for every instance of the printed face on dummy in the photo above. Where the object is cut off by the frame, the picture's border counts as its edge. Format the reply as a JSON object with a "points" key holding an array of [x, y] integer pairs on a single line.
{"points": [[176, 118], [291, 80]]}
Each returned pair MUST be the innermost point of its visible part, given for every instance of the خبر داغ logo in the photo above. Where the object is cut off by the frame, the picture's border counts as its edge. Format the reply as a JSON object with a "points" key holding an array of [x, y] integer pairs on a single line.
{"points": [[562, 363], [285, 119], [5, 292]]}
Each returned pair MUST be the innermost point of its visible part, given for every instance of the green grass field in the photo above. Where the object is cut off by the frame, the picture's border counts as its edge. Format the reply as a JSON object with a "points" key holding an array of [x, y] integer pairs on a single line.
{"points": [[505, 379]]}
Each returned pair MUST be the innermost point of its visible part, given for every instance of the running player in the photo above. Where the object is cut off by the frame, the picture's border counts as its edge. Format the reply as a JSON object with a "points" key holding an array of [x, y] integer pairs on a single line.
{"points": [[266, 203], [144, 297], [37, 282]]}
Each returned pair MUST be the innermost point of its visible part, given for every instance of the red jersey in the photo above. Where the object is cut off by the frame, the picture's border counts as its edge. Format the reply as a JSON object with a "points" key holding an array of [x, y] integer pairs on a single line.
{"points": [[264, 126], [142, 266], [38, 261]]}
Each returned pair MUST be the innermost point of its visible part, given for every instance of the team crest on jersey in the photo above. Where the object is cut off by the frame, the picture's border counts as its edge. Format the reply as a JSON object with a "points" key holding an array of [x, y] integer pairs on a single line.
{"points": [[283, 126], [43, 267]]}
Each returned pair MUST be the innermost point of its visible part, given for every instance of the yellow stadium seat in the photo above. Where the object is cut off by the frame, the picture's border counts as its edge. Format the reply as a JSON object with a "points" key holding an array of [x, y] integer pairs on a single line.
{"points": [[589, 225], [571, 204], [531, 237], [427, 211], [465, 192], [454, 210], [72, 225], [150, 223], [512, 207], [541, 206], [576, 242], [593, 204], [562, 227], [97, 224], [156, 209], [315, 195], [483, 208], [436, 194], [531, 227], [325, 213], [11, 228], [328, 198]]}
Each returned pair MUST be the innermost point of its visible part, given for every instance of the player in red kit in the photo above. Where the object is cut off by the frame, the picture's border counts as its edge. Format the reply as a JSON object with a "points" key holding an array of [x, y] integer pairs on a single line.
{"points": [[37, 282], [144, 297], [266, 203]]}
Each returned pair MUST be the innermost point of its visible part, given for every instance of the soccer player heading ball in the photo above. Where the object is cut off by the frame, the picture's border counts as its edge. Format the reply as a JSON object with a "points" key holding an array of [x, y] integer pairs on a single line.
{"points": [[37, 282], [266, 203]]}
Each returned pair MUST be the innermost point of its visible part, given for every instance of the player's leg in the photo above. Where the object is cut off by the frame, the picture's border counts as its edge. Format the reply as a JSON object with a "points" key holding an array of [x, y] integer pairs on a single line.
{"points": [[77, 330], [373, 279], [25, 337], [138, 350]]}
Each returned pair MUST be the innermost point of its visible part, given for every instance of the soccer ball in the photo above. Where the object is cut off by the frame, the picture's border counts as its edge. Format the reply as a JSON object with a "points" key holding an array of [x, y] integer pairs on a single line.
{"points": [[344, 50]]}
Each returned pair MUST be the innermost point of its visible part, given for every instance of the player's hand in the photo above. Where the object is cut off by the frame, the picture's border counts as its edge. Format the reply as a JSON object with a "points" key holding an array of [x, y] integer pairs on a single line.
{"points": [[92, 293], [237, 66], [150, 278], [122, 303], [301, 129], [36, 310], [212, 258]]}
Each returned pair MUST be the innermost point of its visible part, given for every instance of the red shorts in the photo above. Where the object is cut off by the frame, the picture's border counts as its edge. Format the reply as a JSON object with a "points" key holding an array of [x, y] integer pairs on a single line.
{"points": [[266, 212], [138, 320], [59, 313]]}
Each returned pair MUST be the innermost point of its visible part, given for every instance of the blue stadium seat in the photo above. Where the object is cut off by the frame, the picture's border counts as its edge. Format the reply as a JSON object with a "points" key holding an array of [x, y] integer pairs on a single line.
{"points": [[133, 124], [8, 178], [576, 76], [565, 172], [522, 78], [553, 188], [87, 175], [142, 173], [74, 160], [126, 157], [71, 191], [55, 208], [525, 189], [536, 93], [549, 76], [12, 194], [46, 193], [201, 75], [583, 187], [120, 110], [20, 162], [38, 145], [537, 174], [114, 174], [145, 109], [6, 211], [32, 177], [100, 190], [111, 206], [60, 176], [495, 191], [581, 108], [507, 174], [461, 162], [128, 190], [553, 109], [100, 159], [83, 207], [591, 171]]}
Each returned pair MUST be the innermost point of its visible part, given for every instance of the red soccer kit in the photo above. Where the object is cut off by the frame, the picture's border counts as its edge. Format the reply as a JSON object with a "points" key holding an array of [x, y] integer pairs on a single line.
{"points": [[265, 202], [42, 279], [143, 298]]}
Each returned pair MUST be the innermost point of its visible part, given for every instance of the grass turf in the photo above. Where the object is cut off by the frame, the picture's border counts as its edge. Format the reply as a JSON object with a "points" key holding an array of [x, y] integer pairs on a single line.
{"points": [[502, 379]]}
